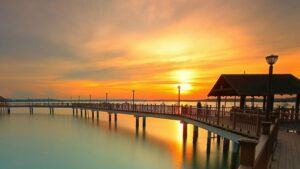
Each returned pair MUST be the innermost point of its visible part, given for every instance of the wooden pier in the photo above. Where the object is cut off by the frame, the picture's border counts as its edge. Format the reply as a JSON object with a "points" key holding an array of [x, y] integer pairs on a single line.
{"points": [[243, 124], [243, 128]]}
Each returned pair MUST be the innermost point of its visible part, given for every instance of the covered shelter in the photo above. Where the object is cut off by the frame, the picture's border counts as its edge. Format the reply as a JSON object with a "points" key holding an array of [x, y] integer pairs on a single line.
{"points": [[2, 99], [243, 85]]}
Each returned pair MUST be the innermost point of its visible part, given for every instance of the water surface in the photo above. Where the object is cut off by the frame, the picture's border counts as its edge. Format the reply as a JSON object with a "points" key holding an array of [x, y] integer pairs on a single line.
{"points": [[63, 141]]}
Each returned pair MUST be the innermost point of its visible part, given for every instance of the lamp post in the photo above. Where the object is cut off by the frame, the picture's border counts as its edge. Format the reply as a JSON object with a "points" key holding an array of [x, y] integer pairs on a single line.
{"points": [[271, 60], [133, 91], [178, 94], [106, 95]]}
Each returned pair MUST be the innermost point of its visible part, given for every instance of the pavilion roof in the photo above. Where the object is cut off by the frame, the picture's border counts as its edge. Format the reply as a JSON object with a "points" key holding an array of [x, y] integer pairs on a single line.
{"points": [[2, 98], [254, 85]]}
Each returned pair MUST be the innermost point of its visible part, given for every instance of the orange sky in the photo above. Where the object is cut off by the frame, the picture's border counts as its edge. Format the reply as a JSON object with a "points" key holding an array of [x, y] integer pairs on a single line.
{"points": [[69, 48]]}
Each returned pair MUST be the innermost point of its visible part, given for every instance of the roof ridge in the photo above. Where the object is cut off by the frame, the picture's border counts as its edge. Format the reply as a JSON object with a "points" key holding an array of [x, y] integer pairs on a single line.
{"points": [[229, 82], [257, 74]]}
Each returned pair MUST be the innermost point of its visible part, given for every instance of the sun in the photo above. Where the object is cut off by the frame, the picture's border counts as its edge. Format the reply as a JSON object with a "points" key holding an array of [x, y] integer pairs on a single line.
{"points": [[184, 88], [184, 79]]}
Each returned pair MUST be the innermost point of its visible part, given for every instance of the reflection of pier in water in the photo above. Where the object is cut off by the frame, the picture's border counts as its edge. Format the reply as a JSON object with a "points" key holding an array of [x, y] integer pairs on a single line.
{"points": [[194, 163]]}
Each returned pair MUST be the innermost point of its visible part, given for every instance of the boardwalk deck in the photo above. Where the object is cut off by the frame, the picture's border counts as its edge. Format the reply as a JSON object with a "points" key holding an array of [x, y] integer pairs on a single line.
{"points": [[287, 153]]}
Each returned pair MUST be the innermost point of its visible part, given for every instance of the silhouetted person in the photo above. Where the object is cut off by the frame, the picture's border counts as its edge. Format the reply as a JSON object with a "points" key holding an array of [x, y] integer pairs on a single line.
{"points": [[199, 108]]}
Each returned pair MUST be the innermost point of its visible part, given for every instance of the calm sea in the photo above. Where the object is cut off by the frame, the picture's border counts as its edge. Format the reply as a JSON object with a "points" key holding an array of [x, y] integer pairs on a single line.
{"points": [[66, 142]]}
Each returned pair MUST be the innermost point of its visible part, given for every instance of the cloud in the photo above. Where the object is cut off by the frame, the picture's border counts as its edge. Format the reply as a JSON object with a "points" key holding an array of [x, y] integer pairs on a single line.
{"points": [[138, 43], [28, 47], [96, 74]]}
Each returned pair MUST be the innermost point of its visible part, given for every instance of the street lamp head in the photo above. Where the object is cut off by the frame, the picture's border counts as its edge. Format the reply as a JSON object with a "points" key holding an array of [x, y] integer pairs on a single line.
{"points": [[178, 87], [271, 59]]}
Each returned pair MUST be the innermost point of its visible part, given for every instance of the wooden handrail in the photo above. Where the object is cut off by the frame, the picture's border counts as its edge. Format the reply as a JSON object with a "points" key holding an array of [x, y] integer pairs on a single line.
{"points": [[260, 155], [243, 122]]}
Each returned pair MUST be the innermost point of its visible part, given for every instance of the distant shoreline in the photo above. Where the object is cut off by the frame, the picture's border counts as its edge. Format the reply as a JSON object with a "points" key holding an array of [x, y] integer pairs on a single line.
{"points": [[293, 99]]}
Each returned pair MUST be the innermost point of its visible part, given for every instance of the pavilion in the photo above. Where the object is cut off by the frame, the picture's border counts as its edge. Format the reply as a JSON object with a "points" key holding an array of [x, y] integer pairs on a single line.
{"points": [[256, 85], [2, 99]]}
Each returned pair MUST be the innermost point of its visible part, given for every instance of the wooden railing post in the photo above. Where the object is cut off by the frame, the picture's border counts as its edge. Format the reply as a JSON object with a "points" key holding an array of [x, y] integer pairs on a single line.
{"points": [[258, 124], [266, 127], [206, 113], [223, 111], [292, 113], [234, 120], [247, 156], [297, 106]]}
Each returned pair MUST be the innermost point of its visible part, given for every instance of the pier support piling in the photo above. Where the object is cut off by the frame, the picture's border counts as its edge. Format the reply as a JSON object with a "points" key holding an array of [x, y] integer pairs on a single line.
{"points": [[184, 130], [109, 124], [136, 126], [31, 110], [226, 145], [218, 139], [51, 111], [234, 155], [195, 134], [247, 155], [208, 142], [97, 115], [116, 117], [144, 122], [137, 122], [109, 117]]}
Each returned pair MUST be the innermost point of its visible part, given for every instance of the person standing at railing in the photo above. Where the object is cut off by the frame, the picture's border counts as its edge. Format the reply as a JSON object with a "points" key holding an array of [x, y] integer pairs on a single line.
{"points": [[199, 109]]}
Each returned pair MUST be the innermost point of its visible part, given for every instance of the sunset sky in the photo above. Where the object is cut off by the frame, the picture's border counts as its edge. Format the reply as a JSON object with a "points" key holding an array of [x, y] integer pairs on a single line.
{"points": [[67, 48]]}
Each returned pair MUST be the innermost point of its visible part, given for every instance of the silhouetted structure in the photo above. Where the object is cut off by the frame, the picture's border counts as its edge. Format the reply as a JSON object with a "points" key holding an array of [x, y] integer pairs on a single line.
{"points": [[253, 85], [2, 99]]}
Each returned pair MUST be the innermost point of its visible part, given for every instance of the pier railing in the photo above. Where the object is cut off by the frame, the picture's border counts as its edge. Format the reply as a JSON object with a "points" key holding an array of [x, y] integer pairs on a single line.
{"points": [[287, 114], [257, 154], [245, 122]]}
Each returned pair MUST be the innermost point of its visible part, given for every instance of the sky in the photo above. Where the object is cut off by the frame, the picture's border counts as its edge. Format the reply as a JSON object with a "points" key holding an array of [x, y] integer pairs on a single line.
{"points": [[70, 48]]}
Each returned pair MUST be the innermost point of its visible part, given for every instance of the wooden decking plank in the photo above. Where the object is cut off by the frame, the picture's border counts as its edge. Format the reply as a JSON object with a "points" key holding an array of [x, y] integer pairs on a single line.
{"points": [[287, 153]]}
